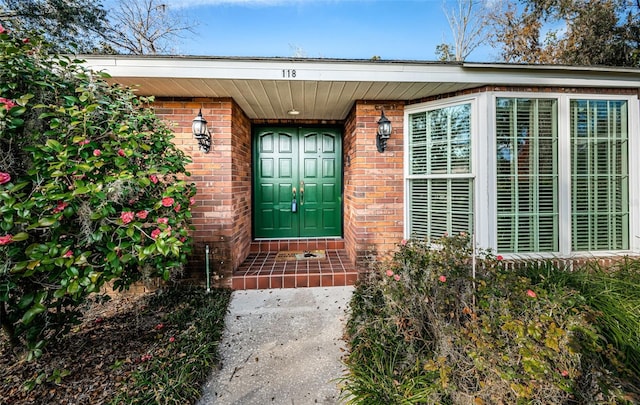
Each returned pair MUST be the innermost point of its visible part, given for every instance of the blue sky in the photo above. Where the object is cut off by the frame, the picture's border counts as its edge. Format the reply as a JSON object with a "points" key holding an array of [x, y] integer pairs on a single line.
{"points": [[350, 29]]}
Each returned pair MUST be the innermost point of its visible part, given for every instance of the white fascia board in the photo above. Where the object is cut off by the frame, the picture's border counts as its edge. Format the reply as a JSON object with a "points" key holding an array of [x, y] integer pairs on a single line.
{"points": [[361, 71]]}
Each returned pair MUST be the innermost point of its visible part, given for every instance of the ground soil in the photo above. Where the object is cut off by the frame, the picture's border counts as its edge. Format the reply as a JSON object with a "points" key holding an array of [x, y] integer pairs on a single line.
{"points": [[98, 355]]}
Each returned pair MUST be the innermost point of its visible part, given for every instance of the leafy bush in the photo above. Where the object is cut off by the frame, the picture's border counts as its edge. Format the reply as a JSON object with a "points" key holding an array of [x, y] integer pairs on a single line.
{"points": [[423, 329], [91, 190]]}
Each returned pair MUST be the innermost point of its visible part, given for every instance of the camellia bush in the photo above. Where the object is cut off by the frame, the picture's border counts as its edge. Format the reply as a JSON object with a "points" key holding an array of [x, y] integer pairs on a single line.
{"points": [[92, 191]]}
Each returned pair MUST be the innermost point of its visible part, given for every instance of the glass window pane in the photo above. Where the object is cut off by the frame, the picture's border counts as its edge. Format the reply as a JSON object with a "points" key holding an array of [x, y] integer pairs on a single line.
{"points": [[440, 146], [599, 175], [527, 175]]}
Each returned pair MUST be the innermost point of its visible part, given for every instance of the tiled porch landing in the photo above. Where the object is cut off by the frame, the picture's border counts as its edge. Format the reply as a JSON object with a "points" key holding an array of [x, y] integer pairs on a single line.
{"points": [[261, 270]]}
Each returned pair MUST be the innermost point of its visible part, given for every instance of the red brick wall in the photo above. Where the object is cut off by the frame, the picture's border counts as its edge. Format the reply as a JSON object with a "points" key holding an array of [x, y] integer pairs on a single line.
{"points": [[373, 183], [221, 214]]}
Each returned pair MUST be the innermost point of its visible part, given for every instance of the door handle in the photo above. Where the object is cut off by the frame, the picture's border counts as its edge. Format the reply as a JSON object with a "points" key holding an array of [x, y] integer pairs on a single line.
{"points": [[301, 192], [294, 203]]}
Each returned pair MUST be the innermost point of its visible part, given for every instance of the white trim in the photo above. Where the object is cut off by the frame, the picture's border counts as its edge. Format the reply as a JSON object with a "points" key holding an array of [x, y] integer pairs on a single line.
{"points": [[486, 189], [181, 67], [634, 174]]}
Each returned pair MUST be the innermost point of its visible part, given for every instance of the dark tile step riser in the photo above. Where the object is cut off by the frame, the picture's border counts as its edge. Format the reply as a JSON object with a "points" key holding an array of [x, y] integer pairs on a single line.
{"points": [[293, 281], [295, 245]]}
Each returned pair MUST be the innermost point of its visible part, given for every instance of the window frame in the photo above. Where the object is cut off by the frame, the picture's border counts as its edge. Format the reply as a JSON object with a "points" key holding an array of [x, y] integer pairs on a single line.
{"points": [[554, 140], [564, 172], [474, 142]]}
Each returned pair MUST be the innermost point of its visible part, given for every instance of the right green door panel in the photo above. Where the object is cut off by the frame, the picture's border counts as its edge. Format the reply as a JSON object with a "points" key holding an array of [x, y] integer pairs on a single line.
{"points": [[297, 182]]}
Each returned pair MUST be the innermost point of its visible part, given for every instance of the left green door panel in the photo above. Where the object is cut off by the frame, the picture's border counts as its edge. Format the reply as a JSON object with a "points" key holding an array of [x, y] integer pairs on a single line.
{"points": [[301, 165]]}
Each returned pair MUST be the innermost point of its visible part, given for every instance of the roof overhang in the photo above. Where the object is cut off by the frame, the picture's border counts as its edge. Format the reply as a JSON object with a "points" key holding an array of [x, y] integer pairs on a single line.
{"points": [[325, 89]]}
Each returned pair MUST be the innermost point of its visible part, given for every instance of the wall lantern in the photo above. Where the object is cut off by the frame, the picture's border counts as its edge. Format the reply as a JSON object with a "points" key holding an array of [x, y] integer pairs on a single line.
{"points": [[384, 132], [201, 133]]}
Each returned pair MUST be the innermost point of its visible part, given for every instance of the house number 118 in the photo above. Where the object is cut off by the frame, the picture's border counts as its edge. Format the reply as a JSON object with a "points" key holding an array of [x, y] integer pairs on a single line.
{"points": [[288, 73]]}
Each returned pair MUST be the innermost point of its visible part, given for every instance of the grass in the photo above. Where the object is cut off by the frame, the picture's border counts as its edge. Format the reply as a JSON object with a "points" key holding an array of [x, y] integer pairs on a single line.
{"points": [[177, 372], [158, 348]]}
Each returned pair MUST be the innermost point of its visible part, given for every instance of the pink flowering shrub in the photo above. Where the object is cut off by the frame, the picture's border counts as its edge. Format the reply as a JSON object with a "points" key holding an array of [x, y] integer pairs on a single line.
{"points": [[92, 190], [423, 329]]}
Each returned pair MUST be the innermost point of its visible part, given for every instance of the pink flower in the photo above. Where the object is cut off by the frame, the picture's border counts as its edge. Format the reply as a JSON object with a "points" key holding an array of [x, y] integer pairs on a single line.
{"points": [[167, 202], [121, 152], [531, 294], [6, 239], [8, 104], [97, 152], [69, 253], [443, 279], [177, 208], [4, 177], [192, 201], [172, 339], [153, 178], [159, 326], [499, 258], [60, 207], [564, 373], [25, 40], [142, 214], [126, 217], [99, 320], [2, 29], [85, 142], [396, 277], [163, 220], [403, 242], [146, 357], [155, 233], [389, 273]]}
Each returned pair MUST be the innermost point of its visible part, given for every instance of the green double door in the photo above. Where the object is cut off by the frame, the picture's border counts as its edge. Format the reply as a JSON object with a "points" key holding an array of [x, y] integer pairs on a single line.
{"points": [[297, 182]]}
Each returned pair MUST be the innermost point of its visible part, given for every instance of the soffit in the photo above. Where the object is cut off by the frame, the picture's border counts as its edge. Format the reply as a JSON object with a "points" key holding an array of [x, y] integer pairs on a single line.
{"points": [[326, 89]]}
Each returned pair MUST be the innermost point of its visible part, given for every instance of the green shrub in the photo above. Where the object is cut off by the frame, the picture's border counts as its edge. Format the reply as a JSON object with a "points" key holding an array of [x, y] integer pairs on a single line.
{"points": [[92, 190], [430, 327]]}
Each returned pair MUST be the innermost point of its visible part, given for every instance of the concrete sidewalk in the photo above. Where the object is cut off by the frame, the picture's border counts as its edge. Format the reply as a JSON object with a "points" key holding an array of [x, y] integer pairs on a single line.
{"points": [[281, 346]]}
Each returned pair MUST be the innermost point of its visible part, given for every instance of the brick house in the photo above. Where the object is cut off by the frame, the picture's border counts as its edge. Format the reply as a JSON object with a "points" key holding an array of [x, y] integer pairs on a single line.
{"points": [[534, 161]]}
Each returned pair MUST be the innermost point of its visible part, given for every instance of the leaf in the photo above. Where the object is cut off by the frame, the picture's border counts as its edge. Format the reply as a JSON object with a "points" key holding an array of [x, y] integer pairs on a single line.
{"points": [[53, 144], [36, 309], [74, 287], [46, 222], [19, 237]]}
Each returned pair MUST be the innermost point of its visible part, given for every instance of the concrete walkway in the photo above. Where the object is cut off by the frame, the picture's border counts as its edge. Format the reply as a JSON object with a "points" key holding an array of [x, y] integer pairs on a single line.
{"points": [[281, 346]]}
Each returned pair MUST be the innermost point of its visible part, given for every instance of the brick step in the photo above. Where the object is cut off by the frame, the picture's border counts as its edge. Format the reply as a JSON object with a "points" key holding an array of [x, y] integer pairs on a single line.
{"points": [[262, 270], [277, 245]]}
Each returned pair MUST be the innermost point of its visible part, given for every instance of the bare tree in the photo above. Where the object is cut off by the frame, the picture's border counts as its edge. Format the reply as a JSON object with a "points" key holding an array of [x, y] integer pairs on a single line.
{"points": [[468, 23], [145, 27], [69, 25]]}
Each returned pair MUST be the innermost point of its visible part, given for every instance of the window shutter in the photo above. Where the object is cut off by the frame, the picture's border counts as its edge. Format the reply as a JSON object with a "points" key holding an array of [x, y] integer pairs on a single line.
{"points": [[441, 182], [527, 175], [599, 175]]}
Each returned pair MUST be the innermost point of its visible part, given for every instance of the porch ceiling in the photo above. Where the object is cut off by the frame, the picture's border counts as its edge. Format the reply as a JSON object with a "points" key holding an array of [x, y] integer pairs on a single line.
{"points": [[267, 88], [272, 99]]}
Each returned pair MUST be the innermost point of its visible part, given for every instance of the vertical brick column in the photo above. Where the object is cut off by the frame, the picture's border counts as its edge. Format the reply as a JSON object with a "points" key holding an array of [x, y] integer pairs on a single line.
{"points": [[222, 213], [373, 183]]}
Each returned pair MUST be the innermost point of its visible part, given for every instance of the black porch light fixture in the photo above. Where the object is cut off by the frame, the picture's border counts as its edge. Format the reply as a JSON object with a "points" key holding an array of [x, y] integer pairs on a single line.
{"points": [[384, 132], [201, 132]]}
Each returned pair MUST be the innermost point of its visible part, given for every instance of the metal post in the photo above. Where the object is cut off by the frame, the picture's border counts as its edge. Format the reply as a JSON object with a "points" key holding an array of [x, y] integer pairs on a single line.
{"points": [[206, 259]]}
